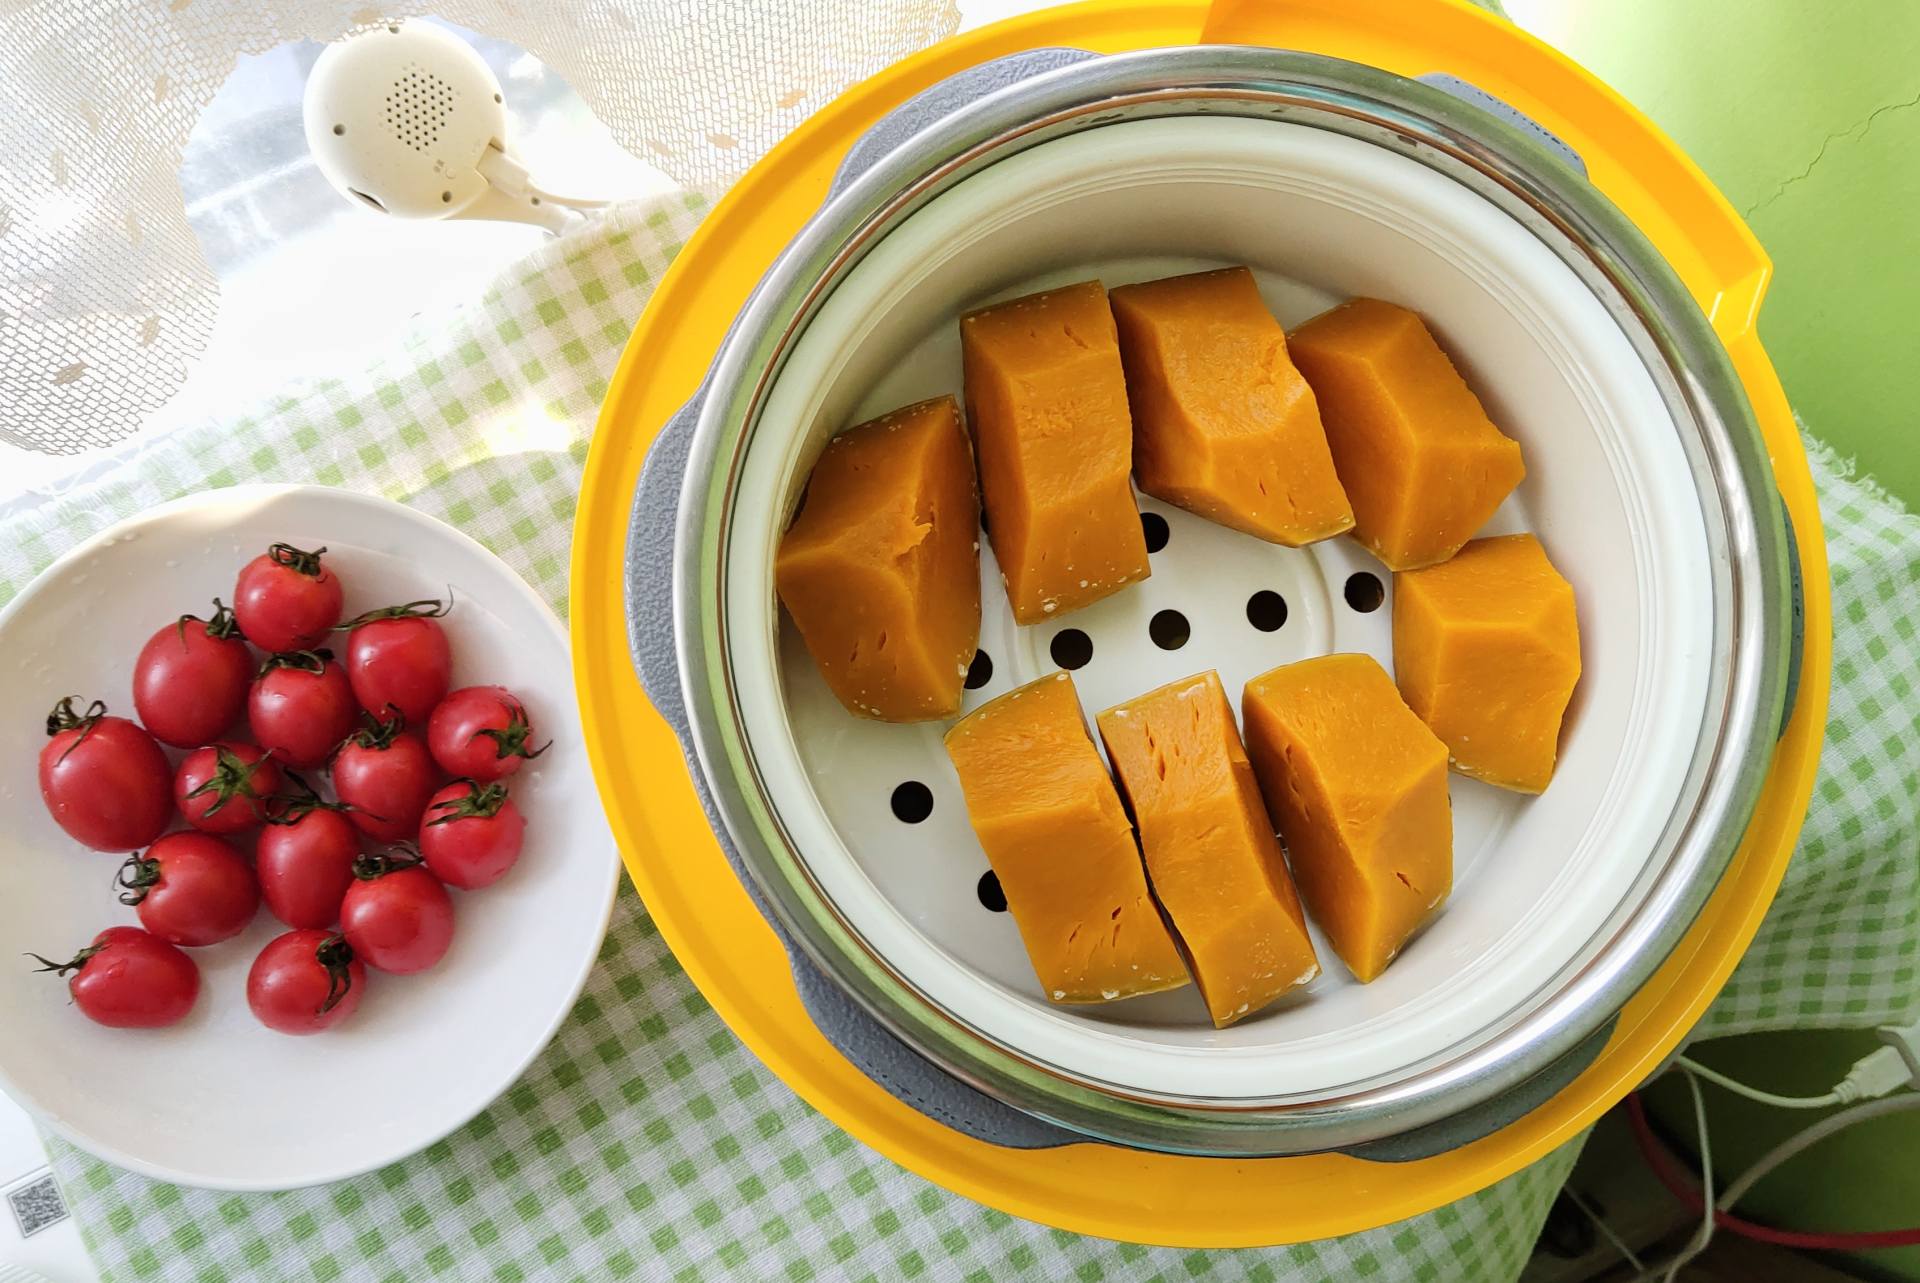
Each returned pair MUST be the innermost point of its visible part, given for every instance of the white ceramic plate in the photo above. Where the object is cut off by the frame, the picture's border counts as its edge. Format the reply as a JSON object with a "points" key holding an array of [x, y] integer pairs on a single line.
{"points": [[219, 1101], [1319, 217]]}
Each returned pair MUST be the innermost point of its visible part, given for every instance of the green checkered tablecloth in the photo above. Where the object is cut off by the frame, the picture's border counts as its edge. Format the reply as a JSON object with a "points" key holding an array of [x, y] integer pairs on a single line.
{"points": [[646, 1142]]}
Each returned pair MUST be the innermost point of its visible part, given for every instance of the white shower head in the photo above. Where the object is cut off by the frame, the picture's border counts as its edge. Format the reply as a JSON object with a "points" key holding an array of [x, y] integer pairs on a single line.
{"points": [[407, 118]]}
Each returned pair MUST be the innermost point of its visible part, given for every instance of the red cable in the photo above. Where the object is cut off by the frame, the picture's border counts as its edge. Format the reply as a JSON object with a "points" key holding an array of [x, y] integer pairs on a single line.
{"points": [[1664, 1166]]}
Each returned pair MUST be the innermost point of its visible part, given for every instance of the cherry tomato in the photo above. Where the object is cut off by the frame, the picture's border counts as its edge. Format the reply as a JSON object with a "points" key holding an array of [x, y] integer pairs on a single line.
{"points": [[399, 658], [305, 981], [190, 681], [286, 599], [397, 916], [301, 707], [481, 733], [104, 779], [128, 979], [305, 861], [190, 889], [227, 787], [471, 834], [385, 774]]}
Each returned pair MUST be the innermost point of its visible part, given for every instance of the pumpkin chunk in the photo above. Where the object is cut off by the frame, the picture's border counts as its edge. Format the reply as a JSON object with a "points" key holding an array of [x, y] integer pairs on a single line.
{"points": [[1223, 424], [1359, 787], [1486, 648], [1048, 403], [1420, 460], [1212, 858], [1047, 815], [881, 567]]}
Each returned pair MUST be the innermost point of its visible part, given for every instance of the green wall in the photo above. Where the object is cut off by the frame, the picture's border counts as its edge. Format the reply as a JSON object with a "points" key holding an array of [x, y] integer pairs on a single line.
{"points": [[1806, 113]]}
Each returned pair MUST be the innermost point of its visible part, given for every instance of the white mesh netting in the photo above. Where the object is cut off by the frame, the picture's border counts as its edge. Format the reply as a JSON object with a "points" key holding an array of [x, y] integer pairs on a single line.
{"points": [[105, 296]]}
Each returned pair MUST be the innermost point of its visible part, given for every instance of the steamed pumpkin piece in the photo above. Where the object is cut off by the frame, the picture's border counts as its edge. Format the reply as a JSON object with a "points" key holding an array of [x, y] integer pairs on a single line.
{"points": [[1358, 785], [1420, 460], [1223, 424], [881, 568], [1486, 648], [1048, 403], [1047, 815], [1212, 858]]}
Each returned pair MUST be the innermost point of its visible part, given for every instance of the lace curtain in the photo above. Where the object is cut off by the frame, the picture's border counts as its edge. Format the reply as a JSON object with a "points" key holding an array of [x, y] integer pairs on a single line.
{"points": [[105, 296]]}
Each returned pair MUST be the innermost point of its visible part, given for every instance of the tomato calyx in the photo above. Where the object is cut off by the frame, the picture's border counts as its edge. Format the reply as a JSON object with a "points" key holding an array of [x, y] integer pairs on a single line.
{"points": [[304, 661], [376, 733], [233, 778], [371, 865], [136, 876], [296, 559], [78, 961], [512, 739], [224, 624], [483, 802], [335, 957], [425, 608], [63, 718], [299, 802]]}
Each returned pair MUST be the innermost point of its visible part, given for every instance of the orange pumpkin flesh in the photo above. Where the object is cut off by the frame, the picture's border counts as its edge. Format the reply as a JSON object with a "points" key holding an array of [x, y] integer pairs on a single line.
{"points": [[1223, 424], [1212, 858], [1422, 464], [1358, 785], [881, 567], [1048, 404], [1486, 649], [1046, 814]]}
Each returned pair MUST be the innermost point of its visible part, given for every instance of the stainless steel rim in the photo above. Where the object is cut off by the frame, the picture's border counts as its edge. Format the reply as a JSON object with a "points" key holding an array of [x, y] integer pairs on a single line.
{"points": [[1521, 175]]}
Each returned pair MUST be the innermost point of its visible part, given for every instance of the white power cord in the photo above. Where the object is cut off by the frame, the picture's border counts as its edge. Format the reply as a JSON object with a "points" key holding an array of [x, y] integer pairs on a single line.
{"points": [[1599, 1222], [1813, 1135], [1704, 1235], [1875, 1075]]}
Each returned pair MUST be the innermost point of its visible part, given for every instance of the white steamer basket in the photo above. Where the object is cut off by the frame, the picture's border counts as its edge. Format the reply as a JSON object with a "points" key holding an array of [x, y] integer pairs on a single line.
{"points": [[1319, 218], [1645, 482]]}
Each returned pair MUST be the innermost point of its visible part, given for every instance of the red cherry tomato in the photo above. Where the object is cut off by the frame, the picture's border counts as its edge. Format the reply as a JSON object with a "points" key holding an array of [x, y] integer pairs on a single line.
{"points": [[104, 779], [305, 861], [190, 680], [301, 707], [191, 889], [227, 787], [399, 658], [396, 915], [471, 834], [287, 599], [481, 733], [128, 979], [385, 774], [305, 981]]}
